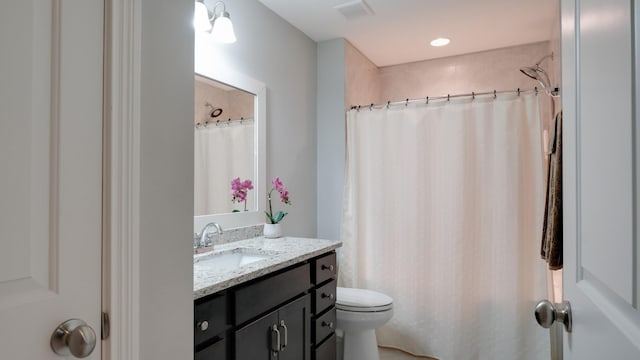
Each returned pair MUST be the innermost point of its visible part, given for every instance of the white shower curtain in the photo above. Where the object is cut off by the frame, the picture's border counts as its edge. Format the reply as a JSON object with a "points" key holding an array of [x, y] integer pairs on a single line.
{"points": [[222, 153], [443, 209]]}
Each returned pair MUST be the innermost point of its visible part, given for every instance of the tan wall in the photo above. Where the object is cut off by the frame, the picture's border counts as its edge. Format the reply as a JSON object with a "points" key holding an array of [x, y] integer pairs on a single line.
{"points": [[362, 78], [235, 104], [483, 71]]}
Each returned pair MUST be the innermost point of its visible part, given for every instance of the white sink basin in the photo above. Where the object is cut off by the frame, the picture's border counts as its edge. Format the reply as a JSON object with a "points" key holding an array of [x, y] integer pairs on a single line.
{"points": [[230, 259]]}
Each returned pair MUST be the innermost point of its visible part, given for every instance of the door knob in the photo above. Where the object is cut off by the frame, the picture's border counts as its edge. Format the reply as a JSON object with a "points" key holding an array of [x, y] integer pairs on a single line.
{"points": [[547, 313], [73, 337]]}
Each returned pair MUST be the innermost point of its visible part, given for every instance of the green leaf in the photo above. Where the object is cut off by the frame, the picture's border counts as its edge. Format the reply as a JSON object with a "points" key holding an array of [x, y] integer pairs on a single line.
{"points": [[279, 216], [236, 210], [269, 218]]}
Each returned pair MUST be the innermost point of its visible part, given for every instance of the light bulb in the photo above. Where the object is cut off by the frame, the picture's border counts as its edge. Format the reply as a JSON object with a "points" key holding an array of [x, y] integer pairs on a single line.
{"points": [[201, 17], [223, 29]]}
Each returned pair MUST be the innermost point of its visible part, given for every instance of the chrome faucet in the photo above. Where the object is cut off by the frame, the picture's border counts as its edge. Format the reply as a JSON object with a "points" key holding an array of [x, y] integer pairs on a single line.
{"points": [[202, 239]]}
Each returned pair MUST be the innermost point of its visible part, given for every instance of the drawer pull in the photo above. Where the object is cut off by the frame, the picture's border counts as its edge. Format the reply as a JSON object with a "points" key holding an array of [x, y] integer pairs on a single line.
{"points": [[275, 338], [328, 267], [329, 324], [330, 296], [285, 332], [203, 326]]}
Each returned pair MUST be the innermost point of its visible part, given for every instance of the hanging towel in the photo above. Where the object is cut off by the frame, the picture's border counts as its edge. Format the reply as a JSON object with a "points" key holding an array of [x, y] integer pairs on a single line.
{"points": [[551, 248]]}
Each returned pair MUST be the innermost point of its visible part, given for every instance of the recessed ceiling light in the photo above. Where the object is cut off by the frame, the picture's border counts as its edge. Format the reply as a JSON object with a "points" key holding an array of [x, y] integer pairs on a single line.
{"points": [[440, 42]]}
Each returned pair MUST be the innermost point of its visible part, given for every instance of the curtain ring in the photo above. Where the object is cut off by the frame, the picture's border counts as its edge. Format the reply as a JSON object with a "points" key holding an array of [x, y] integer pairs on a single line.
{"points": [[536, 88], [518, 91], [358, 108], [406, 102], [217, 122], [370, 106], [494, 95], [473, 95], [388, 103], [427, 100], [448, 97]]}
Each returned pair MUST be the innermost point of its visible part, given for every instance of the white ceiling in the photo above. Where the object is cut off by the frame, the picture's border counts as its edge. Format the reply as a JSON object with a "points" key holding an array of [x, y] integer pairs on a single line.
{"points": [[400, 30]]}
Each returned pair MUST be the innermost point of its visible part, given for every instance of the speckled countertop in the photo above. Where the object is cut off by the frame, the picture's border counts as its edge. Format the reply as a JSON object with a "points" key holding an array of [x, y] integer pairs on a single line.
{"points": [[268, 255]]}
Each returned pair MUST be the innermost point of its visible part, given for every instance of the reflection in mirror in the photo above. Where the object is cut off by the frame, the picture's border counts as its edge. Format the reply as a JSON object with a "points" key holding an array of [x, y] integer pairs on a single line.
{"points": [[224, 148]]}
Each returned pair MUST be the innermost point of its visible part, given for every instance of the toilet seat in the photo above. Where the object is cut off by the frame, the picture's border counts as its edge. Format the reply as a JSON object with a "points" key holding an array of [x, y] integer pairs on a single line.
{"points": [[362, 300]]}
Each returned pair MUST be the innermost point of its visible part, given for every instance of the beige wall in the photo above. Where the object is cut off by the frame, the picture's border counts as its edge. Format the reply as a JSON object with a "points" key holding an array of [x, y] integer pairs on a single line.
{"points": [[362, 78], [235, 104], [483, 71]]}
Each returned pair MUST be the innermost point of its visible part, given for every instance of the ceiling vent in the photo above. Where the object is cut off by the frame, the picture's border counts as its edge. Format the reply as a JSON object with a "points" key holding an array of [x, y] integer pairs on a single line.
{"points": [[355, 9]]}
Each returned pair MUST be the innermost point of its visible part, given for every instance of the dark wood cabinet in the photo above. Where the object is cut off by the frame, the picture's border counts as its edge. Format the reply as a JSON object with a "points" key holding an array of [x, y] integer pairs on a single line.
{"points": [[286, 315], [323, 323], [257, 341], [217, 350], [280, 335]]}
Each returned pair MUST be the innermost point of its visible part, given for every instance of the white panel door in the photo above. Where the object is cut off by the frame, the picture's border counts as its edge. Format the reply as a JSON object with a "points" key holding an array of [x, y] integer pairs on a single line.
{"points": [[601, 249], [51, 171]]}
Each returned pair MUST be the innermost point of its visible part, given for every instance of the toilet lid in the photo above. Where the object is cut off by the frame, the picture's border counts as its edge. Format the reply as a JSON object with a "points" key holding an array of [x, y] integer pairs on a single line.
{"points": [[362, 300]]}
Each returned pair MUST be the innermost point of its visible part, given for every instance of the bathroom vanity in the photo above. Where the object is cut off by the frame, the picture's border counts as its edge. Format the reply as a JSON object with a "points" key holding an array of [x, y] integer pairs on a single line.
{"points": [[266, 299]]}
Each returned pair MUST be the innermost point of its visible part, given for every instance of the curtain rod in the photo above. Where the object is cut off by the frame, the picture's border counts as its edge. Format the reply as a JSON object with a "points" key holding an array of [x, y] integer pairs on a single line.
{"points": [[222, 122], [552, 92]]}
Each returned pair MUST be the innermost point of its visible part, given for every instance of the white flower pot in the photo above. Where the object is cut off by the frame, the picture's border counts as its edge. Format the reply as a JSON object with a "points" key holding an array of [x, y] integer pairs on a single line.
{"points": [[272, 230]]}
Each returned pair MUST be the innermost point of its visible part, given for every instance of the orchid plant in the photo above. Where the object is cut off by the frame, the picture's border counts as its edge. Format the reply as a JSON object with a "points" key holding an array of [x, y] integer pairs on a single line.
{"points": [[284, 197], [239, 190]]}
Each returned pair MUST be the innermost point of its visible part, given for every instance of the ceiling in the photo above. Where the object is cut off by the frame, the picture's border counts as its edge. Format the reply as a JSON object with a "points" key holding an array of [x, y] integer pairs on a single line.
{"points": [[399, 31]]}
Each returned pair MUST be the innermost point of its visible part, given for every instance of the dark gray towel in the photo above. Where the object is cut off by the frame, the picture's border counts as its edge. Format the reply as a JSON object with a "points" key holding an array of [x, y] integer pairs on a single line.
{"points": [[551, 248]]}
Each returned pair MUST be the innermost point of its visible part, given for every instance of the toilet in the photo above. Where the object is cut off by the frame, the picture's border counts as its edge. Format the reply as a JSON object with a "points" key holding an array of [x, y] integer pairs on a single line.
{"points": [[358, 313]]}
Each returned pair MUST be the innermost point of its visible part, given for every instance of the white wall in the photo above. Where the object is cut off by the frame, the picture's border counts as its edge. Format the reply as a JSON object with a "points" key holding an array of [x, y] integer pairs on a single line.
{"points": [[166, 180], [272, 51]]}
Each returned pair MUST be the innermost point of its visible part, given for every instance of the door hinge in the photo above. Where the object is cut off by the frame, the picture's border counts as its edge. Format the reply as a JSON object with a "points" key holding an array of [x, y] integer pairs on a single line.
{"points": [[105, 326]]}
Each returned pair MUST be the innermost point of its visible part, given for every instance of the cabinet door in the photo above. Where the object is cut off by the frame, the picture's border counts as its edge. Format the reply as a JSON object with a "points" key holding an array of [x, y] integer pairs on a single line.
{"points": [[217, 351], [295, 329], [256, 341]]}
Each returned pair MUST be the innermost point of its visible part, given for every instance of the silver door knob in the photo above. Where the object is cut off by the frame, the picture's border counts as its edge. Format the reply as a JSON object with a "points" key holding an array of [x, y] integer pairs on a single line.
{"points": [[73, 337], [547, 313]]}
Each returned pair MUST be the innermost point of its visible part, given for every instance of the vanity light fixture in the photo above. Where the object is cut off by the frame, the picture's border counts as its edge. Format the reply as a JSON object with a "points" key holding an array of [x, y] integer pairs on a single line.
{"points": [[201, 20], [440, 42], [216, 20]]}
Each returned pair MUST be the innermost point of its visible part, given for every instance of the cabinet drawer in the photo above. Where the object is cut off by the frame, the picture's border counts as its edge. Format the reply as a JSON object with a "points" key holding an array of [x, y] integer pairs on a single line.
{"points": [[266, 294], [210, 318], [327, 350], [325, 268], [324, 326], [216, 351], [324, 296]]}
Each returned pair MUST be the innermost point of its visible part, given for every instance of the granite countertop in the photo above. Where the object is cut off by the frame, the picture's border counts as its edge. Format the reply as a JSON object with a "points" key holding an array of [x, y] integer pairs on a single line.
{"points": [[268, 255]]}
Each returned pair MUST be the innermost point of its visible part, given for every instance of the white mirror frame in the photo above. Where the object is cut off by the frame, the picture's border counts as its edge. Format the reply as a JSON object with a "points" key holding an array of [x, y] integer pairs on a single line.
{"points": [[243, 82]]}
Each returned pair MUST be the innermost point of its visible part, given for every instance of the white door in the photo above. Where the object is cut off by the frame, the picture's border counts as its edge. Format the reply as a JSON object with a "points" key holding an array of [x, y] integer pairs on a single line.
{"points": [[50, 171], [601, 178]]}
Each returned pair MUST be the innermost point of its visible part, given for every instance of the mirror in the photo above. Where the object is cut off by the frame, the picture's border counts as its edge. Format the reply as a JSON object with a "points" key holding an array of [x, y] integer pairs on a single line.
{"points": [[229, 143], [224, 148]]}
